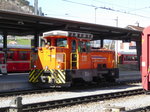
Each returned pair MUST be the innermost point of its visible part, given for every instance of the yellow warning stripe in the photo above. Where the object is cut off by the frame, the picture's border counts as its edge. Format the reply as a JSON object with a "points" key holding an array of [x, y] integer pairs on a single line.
{"points": [[34, 75], [60, 75], [37, 76], [52, 74], [57, 75], [31, 73]]}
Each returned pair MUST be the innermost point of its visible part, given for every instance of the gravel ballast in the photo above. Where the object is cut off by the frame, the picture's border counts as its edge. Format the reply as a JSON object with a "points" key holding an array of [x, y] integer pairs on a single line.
{"points": [[131, 102]]}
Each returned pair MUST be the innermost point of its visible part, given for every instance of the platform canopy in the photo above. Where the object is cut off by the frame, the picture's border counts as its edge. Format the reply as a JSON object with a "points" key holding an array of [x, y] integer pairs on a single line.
{"points": [[24, 24]]}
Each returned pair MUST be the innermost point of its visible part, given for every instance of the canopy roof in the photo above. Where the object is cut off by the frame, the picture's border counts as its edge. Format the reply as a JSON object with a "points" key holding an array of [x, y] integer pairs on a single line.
{"points": [[24, 24]]}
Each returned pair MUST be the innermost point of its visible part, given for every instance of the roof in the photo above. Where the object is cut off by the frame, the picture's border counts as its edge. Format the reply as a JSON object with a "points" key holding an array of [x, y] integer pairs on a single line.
{"points": [[24, 24], [68, 34], [137, 28]]}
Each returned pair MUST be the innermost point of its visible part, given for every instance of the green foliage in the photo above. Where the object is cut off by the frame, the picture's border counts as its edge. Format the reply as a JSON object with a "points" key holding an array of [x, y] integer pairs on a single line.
{"points": [[21, 41]]}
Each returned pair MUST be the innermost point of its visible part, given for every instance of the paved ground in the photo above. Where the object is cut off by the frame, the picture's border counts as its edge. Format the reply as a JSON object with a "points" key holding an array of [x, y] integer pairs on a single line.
{"points": [[129, 75], [19, 81]]}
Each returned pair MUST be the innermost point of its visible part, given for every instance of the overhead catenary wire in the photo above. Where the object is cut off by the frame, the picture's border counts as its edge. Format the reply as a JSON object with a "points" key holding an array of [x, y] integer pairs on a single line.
{"points": [[107, 8]]}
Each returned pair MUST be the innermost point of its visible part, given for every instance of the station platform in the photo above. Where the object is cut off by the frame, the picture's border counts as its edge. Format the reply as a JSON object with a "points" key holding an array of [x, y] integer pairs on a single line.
{"points": [[129, 75], [14, 82], [19, 81]]}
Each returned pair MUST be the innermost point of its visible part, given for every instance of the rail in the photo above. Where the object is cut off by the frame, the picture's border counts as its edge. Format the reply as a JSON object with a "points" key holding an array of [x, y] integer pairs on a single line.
{"points": [[70, 101]]}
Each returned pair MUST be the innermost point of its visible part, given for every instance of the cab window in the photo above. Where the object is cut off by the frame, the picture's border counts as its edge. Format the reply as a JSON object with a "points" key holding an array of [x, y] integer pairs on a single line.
{"points": [[73, 46], [61, 42], [45, 42], [88, 46], [84, 46]]}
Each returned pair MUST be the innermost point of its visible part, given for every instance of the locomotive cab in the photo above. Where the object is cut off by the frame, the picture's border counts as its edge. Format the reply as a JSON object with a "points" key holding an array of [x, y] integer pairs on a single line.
{"points": [[65, 56]]}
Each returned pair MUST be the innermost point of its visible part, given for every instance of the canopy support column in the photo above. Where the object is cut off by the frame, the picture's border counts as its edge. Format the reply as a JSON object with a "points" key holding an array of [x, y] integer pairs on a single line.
{"points": [[4, 65], [138, 49], [34, 45], [102, 43]]}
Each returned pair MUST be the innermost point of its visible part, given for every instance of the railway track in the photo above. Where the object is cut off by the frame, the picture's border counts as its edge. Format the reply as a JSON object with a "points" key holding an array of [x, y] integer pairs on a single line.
{"points": [[69, 101], [143, 109]]}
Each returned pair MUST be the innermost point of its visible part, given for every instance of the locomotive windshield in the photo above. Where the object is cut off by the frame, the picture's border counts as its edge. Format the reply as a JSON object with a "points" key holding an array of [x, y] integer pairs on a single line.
{"points": [[58, 42], [45, 42], [61, 42]]}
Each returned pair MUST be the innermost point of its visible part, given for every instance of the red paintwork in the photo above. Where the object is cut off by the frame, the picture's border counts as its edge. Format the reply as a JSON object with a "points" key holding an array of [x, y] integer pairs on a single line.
{"points": [[123, 59], [145, 63], [19, 61]]}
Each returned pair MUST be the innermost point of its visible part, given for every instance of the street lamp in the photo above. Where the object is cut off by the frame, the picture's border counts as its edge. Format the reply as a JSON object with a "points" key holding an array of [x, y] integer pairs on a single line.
{"points": [[116, 44], [95, 13], [116, 21], [36, 7]]}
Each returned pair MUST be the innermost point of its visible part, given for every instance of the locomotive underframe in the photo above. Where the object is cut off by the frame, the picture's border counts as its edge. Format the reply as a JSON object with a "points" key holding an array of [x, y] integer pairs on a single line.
{"points": [[62, 78]]}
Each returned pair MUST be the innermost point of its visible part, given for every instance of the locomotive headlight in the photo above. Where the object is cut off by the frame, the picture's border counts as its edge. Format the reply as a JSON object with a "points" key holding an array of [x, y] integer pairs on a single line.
{"points": [[46, 67], [34, 66], [58, 66]]}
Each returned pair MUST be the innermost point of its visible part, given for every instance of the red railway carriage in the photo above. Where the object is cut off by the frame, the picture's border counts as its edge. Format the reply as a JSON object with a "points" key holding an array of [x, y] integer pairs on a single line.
{"points": [[127, 58], [145, 64], [18, 58]]}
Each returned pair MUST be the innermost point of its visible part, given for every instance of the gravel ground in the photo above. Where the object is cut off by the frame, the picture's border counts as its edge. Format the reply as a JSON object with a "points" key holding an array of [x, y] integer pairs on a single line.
{"points": [[131, 102], [33, 98]]}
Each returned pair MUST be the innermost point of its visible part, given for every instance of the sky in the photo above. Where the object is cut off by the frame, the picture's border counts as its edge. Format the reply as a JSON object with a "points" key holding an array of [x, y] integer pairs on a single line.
{"points": [[117, 13]]}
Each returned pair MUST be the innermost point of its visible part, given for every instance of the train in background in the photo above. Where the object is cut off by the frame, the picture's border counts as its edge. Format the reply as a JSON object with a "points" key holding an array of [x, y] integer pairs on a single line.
{"points": [[127, 58], [145, 59], [66, 58], [18, 58]]}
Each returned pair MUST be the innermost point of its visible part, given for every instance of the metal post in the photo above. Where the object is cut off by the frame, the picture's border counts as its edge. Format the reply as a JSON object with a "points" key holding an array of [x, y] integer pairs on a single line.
{"points": [[36, 7], [16, 105], [34, 45], [36, 39], [102, 43], [95, 14], [116, 52], [116, 21], [116, 45], [4, 66]]}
